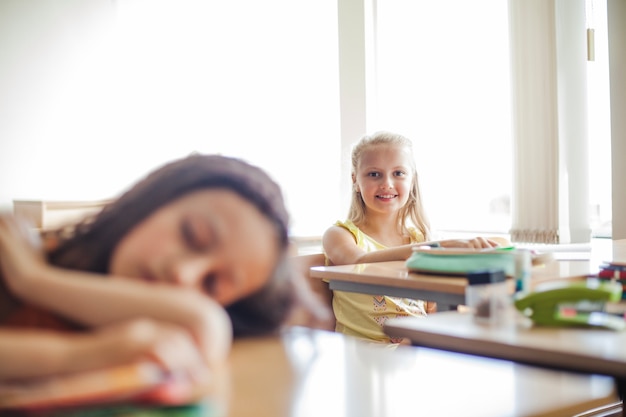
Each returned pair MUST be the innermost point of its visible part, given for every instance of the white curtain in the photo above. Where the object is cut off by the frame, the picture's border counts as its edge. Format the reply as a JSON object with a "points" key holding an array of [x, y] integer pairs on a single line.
{"points": [[617, 33], [548, 52]]}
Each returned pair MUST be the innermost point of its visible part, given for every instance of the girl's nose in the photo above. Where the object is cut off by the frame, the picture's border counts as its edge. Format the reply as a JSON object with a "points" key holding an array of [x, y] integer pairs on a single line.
{"points": [[190, 271], [387, 182]]}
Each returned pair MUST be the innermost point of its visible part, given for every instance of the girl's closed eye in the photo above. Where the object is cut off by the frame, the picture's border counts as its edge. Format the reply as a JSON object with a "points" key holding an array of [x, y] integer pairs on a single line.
{"points": [[197, 233]]}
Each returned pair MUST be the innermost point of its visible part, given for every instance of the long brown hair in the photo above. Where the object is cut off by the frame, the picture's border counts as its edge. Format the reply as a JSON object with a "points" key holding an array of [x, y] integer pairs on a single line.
{"points": [[90, 244]]}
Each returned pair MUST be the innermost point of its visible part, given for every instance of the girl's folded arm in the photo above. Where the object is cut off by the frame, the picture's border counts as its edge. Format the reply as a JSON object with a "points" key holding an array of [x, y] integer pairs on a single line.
{"points": [[29, 353], [34, 353], [95, 300]]}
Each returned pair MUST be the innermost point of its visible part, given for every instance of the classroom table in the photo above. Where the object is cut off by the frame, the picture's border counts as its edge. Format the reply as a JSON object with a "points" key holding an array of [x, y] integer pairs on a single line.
{"points": [[394, 279], [307, 372], [585, 350]]}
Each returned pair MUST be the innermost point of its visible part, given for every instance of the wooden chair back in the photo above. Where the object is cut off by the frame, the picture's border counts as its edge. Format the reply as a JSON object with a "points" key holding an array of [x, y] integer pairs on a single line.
{"points": [[302, 265]]}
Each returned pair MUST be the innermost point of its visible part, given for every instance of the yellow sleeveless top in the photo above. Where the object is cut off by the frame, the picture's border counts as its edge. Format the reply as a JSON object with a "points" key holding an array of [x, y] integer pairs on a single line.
{"points": [[363, 315]]}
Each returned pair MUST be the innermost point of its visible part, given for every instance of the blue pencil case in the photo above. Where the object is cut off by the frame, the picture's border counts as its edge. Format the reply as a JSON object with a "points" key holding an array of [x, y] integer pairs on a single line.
{"points": [[460, 261]]}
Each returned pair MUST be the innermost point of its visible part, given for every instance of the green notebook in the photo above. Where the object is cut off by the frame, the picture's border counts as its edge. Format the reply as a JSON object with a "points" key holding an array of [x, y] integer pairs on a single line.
{"points": [[461, 261]]}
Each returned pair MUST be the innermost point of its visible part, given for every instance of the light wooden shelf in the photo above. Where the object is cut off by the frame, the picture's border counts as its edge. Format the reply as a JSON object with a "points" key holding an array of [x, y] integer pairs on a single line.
{"points": [[47, 215]]}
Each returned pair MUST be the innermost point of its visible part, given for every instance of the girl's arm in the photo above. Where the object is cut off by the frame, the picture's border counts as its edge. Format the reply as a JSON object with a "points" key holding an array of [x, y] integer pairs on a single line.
{"points": [[341, 249], [93, 300], [31, 353], [97, 301]]}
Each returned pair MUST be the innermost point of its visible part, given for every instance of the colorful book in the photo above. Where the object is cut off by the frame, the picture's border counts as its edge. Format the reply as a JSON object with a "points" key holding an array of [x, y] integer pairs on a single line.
{"points": [[612, 273], [138, 384]]}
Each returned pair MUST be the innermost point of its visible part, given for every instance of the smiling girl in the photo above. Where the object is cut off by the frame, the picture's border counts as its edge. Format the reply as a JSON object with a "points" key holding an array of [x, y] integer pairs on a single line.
{"points": [[385, 221]]}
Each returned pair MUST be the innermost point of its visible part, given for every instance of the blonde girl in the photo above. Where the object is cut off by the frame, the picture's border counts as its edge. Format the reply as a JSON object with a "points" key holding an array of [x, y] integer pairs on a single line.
{"points": [[385, 221]]}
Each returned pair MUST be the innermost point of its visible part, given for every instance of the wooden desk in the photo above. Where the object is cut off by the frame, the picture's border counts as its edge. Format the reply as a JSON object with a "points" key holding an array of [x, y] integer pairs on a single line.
{"points": [[316, 373], [593, 351], [311, 373], [393, 278]]}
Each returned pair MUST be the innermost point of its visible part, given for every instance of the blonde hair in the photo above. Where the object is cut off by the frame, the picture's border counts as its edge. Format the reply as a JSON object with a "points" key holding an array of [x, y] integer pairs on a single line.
{"points": [[413, 211]]}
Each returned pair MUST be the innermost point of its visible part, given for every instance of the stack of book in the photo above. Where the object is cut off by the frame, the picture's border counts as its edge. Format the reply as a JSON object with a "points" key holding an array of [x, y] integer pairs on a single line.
{"points": [[614, 271]]}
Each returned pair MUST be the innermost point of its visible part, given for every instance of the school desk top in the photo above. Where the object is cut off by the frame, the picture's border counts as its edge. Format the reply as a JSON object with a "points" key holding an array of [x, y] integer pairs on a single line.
{"points": [[593, 351]]}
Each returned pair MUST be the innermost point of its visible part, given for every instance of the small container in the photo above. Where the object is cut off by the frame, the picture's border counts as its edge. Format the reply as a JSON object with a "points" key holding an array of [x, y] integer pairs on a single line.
{"points": [[487, 297], [523, 269]]}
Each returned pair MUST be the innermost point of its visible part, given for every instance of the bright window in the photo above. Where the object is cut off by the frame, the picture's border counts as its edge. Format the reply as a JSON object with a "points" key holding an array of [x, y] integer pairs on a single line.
{"points": [[443, 80], [442, 77], [98, 93]]}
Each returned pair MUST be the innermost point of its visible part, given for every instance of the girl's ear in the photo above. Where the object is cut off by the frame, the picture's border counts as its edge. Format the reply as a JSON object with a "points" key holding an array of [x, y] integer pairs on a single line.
{"points": [[355, 186]]}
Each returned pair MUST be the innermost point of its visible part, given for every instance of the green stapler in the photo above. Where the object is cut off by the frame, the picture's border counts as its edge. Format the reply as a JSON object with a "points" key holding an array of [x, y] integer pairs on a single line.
{"points": [[572, 303]]}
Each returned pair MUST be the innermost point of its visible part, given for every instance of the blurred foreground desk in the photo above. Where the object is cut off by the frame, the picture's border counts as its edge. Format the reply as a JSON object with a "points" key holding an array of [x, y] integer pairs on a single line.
{"points": [[316, 373], [313, 373]]}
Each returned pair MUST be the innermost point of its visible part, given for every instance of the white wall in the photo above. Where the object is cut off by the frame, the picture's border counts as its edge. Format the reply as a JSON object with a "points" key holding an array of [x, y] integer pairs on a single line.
{"points": [[93, 94], [47, 51]]}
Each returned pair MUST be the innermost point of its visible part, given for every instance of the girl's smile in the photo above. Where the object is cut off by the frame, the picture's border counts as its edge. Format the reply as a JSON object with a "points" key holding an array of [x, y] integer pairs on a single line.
{"points": [[386, 196]]}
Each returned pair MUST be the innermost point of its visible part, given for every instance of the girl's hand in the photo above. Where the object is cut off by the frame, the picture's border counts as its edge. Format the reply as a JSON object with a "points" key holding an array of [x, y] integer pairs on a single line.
{"points": [[201, 335], [21, 252], [171, 346], [475, 243]]}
